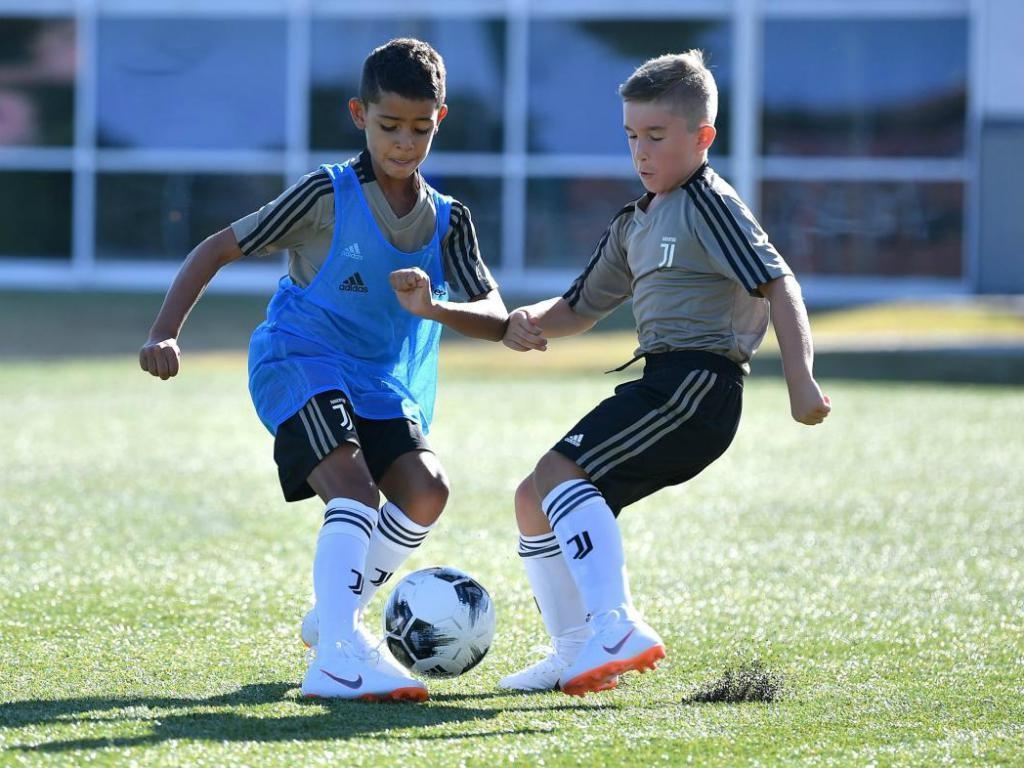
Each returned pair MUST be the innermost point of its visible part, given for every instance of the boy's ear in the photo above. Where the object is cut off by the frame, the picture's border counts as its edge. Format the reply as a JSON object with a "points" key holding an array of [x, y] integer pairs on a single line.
{"points": [[705, 137], [442, 112], [358, 112]]}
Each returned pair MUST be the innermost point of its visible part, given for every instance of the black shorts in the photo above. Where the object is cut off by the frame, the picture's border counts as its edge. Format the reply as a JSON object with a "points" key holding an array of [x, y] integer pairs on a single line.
{"points": [[660, 430], [325, 422]]}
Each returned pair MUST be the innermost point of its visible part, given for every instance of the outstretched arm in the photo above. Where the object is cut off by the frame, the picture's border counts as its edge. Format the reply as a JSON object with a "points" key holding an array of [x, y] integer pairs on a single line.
{"points": [[793, 331], [482, 318], [530, 327], [160, 355]]}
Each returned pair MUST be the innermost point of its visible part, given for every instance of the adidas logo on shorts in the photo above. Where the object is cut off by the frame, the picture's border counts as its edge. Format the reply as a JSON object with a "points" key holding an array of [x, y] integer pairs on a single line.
{"points": [[574, 440]]}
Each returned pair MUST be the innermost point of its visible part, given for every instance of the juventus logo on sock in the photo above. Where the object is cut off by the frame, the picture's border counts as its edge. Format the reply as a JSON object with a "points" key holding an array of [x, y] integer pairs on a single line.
{"points": [[384, 576], [583, 545], [357, 585]]}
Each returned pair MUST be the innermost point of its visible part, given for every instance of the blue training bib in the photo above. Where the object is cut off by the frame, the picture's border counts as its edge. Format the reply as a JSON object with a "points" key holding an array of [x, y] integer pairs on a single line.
{"points": [[346, 329]]}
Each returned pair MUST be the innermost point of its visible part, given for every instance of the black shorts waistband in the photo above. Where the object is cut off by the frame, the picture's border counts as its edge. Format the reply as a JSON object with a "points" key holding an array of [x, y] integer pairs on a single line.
{"points": [[692, 358]]}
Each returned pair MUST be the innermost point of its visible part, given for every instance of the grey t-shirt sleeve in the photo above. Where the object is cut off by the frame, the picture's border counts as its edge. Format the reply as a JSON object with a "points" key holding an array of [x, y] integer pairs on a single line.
{"points": [[607, 281], [734, 241], [291, 219], [464, 268]]}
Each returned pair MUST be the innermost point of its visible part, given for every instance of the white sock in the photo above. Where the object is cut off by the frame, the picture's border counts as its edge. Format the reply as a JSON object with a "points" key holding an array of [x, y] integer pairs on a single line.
{"points": [[338, 567], [591, 545], [559, 601], [394, 539]]}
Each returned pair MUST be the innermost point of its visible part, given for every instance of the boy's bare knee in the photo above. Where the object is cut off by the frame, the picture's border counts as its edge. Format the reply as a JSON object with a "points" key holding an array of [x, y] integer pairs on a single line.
{"points": [[554, 469], [526, 495], [425, 502], [529, 515], [418, 485], [426, 507], [436, 493]]}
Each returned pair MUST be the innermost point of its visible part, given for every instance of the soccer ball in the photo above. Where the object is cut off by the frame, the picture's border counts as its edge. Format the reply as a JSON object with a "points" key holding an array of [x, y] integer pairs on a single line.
{"points": [[439, 622]]}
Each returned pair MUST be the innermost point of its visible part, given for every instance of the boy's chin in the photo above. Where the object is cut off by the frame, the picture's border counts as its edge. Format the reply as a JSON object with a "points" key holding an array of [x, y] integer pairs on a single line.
{"points": [[396, 171], [400, 175], [659, 188]]}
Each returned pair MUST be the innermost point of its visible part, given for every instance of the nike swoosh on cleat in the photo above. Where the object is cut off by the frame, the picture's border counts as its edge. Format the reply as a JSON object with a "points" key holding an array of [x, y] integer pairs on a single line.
{"points": [[357, 683], [618, 646]]}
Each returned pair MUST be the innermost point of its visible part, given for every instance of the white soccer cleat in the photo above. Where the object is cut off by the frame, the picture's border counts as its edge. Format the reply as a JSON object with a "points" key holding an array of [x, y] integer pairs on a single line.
{"points": [[542, 675], [620, 644], [347, 672], [310, 631], [378, 651], [375, 649]]}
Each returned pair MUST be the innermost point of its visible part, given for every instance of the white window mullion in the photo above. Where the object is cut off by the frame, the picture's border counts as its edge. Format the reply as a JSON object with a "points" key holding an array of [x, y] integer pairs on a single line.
{"points": [[745, 103], [977, 42], [516, 107], [918, 9], [298, 53], [877, 169], [83, 194]]}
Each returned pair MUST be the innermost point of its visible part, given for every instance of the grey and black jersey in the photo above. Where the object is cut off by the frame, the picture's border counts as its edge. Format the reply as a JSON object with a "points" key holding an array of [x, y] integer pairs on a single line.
{"points": [[692, 264], [301, 221]]}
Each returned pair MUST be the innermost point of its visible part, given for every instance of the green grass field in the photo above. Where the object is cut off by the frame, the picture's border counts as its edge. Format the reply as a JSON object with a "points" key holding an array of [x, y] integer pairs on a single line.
{"points": [[153, 580]]}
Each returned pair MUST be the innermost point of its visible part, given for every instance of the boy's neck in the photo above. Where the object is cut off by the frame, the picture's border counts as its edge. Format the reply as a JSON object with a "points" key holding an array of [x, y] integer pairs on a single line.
{"points": [[401, 194], [687, 176], [656, 198]]}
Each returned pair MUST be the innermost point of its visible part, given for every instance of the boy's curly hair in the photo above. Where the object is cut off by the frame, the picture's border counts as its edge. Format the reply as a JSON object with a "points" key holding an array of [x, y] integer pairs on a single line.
{"points": [[404, 66]]}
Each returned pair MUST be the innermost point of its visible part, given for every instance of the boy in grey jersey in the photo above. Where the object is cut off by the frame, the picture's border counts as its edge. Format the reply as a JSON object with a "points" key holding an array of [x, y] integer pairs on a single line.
{"points": [[702, 274]]}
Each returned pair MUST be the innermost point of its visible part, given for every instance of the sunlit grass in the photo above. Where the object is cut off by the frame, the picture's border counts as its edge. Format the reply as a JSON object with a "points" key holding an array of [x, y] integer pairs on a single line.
{"points": [[153, 580], [924, 321], [875, 325]]}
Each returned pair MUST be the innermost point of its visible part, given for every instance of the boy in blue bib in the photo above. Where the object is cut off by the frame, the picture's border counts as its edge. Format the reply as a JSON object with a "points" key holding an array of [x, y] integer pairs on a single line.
{"points": [[344, 369]]}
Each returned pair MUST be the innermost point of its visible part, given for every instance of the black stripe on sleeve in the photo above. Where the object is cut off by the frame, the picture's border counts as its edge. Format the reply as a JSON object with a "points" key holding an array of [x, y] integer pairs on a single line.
{"points": [[725, 249], [464, 251], [363, 167], [291, 209], [576, 289], [740, 253], [747, 251]]}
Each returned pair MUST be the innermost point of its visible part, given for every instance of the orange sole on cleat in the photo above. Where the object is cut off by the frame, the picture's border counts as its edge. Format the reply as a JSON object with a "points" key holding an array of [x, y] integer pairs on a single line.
{"points": [[602, 678], [611, 683]]}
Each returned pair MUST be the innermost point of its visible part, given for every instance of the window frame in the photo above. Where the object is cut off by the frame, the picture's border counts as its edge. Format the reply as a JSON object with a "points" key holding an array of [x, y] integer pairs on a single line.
{"points": [[515, 166]]}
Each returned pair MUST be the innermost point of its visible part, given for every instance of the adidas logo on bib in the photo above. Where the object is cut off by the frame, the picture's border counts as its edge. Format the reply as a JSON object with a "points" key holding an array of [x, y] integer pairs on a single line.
{"points": [[354, 283]]}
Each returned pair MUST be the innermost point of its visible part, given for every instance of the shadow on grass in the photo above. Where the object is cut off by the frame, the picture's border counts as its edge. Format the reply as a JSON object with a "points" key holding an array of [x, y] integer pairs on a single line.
{"points": [[235, 718]]}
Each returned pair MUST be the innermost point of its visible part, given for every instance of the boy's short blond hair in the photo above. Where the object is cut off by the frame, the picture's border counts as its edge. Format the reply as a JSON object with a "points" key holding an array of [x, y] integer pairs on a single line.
{"points": [[680, 80]]}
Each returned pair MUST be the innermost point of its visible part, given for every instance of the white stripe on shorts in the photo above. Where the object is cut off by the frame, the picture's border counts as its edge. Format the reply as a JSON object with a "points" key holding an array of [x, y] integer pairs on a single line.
{"points": [[320, 438], [318, 415], [642, 434]]}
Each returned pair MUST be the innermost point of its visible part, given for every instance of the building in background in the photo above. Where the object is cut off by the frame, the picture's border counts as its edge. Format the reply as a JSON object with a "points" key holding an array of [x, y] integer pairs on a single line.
{"points": [[879, 141]]}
